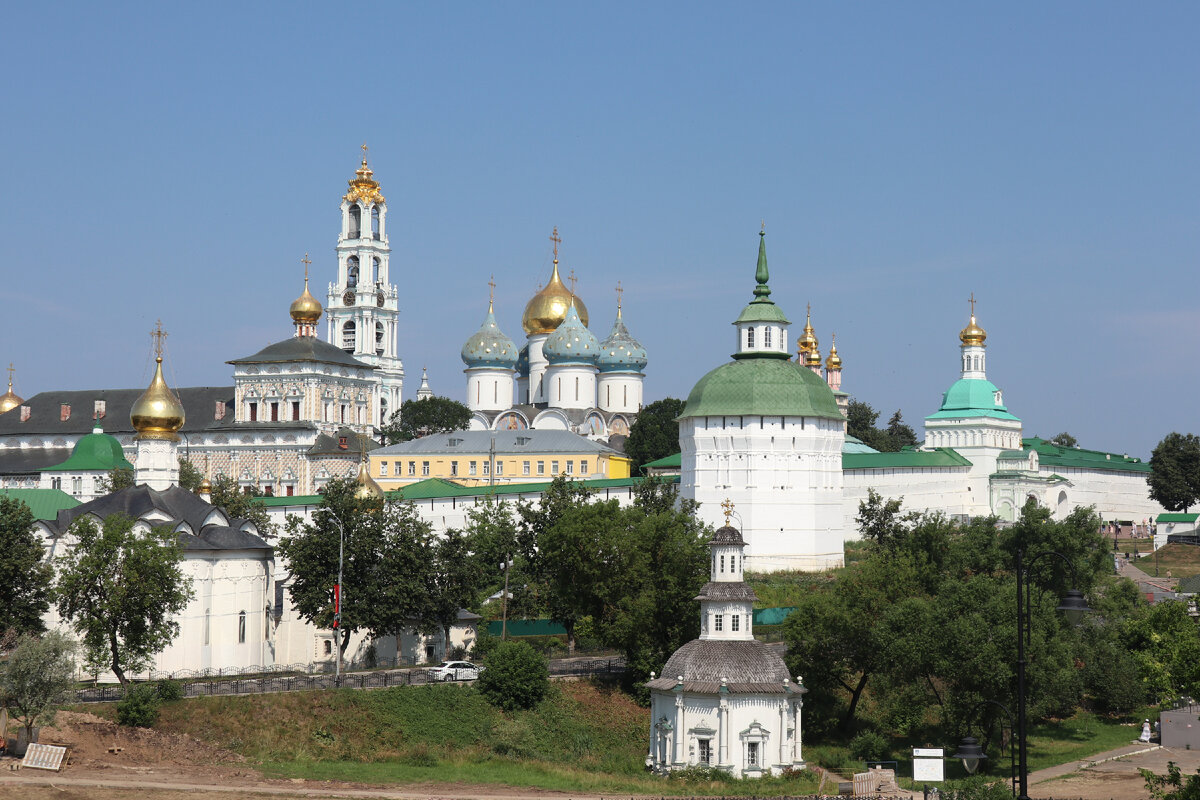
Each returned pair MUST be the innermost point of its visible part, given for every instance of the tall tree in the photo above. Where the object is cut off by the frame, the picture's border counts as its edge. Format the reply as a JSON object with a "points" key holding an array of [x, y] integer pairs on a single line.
{"points": [[900, 433], [242, 503], [190, 477], [38, 677], [25, 575], [655, 433], [860, 422], [387, 566], [1174, 477], [121, 590], [118, 478], [417, 418]]}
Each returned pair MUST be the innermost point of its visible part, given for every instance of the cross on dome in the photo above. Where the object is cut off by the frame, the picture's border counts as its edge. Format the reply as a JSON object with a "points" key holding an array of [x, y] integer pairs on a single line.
{"points": [[159, 336], [555, 238]]}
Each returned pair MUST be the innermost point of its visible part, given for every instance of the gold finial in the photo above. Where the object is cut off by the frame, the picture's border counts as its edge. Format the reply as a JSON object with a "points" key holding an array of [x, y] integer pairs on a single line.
{"points": [[306, 261], [159, 336], [10, 374], [364, 149], [555, 238], [728, 507], [572, 279], [972, 302], [491, 292]]}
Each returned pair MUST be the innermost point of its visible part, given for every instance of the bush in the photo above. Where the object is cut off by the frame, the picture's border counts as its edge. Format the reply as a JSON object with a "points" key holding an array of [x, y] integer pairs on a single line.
{"points": [[484, 643], [169, 691], [978, 787], [516, 677], [869, 746], [140, 706]]}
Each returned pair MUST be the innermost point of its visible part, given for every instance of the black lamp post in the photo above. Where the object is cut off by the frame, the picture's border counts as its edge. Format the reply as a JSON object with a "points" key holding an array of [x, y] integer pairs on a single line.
{"points": [[971, 753], [1073, 607]]}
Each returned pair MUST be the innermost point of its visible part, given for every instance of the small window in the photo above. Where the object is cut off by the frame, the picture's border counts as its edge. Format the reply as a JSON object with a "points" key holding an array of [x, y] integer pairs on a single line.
{"points": [[382, 468], [722, 563], [751, 754], [412, 468], [274, 412], [583, 467], [296, 410], [524, 467], [553, 467], [472, 468], [541, 468], [570, 467], [717, 622], [242, 627], [349, 336], [487, 468], [499, 467], [454, 468], [424, 467], [253, 412], [749, 338], [734, 619], [766, 336], [733, 563], [328, 647]]}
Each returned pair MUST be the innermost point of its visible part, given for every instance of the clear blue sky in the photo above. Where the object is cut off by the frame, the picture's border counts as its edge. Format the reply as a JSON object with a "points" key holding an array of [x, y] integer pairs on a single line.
{"points": [[177, 160]]}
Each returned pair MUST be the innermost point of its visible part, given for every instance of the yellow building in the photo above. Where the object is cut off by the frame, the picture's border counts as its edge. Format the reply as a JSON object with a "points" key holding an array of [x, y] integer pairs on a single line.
{"points": [[473, 458]]}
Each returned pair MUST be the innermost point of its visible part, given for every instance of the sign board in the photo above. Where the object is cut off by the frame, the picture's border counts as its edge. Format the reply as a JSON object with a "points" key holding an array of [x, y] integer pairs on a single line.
{"points": [[44, 756], [928, 764]]}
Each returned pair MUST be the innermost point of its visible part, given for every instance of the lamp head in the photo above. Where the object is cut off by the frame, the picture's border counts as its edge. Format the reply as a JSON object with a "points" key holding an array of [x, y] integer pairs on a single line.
{"points": [[971, 754], [1073, 606]]}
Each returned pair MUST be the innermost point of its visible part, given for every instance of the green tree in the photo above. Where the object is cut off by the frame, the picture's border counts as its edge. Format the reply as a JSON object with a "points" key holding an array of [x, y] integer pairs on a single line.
{"points": [[38, 677], [118, 478], [25, 575], [417, 418], [121, 590], [388, 564], [1172, 786], [516, 676], [900, 434], [1065, 439], [1174, 477], [654, 434], [242, 503], [190, 477]]}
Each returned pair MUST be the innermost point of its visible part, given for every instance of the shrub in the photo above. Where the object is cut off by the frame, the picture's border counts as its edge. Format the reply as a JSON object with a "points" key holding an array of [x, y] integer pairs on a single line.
{"points": [[140, 706], [485, 643], [869, 746], [169, 691], [516, 677]]}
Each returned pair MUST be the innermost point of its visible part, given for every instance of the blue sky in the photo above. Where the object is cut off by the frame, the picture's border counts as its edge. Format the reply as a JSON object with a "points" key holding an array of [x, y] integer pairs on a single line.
{"points": [[177, 161]]}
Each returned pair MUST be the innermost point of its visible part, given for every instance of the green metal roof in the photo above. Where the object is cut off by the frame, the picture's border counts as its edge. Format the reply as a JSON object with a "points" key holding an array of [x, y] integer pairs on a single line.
{"points": [[527, 627], [1177, 517], [1014, 454], [769, 387], [94, 452], [938, 457], [762, 311], [772, 616], [435, 488], [1053, 455], [971, 397], [44, 503], [666, 462]]}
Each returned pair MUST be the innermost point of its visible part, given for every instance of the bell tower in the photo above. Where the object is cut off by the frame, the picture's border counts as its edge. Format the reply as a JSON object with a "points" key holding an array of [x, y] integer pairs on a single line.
{"points": [[363, 305]]}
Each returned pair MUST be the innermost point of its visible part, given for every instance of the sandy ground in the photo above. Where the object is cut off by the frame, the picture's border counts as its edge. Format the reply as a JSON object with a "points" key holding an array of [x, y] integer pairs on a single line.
{"points": [[109, 762]]}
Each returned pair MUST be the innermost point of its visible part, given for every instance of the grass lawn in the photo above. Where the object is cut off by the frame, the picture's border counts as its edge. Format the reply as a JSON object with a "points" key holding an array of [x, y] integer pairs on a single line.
{"points": [[1181, 560]]}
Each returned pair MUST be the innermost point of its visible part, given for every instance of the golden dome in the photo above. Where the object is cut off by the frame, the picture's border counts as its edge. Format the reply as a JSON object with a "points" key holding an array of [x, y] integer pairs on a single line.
{"points": [[305, 308], [367, 488], [973, 334], [546, 310], [813, 357], [834, 361], [157, 414], [205, 487], [807, 341], [9, 400]]}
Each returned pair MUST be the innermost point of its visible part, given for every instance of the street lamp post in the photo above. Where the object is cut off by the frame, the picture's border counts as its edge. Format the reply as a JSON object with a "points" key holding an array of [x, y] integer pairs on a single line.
{"points": [[1073, 607], [337, 598], [971, 753]]}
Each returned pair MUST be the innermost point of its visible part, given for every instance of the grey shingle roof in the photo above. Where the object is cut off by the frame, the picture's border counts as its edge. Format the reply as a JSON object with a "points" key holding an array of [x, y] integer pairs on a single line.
{"points": [[727, 591], [179, 505], [302, 348], [45, 419], [749, 667], [507, 443], [727, 535], [327, 445], [19, 460]]}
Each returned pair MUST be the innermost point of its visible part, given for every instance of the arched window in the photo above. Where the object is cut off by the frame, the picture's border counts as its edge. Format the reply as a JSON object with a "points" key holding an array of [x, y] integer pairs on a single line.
{"points": [[348, 335], [378, 338], [766, 336], [749, 338], [375, 276], [241, 627], [375, 223], [352, 271], [355, 221]]}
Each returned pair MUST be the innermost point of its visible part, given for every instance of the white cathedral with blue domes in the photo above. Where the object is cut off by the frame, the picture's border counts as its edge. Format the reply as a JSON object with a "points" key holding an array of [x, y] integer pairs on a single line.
{"points": [[563, 378]]}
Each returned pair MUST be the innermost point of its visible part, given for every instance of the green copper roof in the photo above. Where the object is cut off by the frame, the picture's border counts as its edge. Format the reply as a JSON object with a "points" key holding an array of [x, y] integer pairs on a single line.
{"points": [[938, 457], [96, 451], [971, 397], [1177, 517], [769, 387], [44, 503], [1052, 455], [761, 308], [666, 462]]}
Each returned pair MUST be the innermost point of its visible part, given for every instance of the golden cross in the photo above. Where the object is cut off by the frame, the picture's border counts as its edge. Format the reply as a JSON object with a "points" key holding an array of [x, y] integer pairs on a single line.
{"points": [[972, 301], [572, 279], [620, 291], [491, 290], [159, 335], [728, 506], [364, 149], [306, 261], [554, 238], [10, 374]]}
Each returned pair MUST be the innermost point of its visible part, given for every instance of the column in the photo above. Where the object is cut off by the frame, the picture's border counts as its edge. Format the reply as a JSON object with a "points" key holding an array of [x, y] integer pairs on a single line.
{"points": [[723, 733], [799, 759], [783, 714], [679, 754]]}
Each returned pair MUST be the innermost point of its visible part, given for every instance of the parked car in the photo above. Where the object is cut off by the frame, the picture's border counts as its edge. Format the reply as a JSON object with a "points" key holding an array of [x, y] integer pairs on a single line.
{"points": [[455, 671]]}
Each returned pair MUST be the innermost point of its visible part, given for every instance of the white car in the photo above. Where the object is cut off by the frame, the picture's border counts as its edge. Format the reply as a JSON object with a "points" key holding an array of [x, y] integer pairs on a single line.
{"points": [[455, 671]]}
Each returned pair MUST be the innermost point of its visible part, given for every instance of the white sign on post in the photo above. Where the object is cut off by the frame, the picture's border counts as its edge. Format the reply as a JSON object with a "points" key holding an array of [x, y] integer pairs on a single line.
{"points": [[928, 764]]}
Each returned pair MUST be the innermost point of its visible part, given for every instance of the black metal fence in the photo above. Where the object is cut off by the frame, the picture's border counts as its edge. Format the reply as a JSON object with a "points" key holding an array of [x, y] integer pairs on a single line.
{"points": [[307, 677]]}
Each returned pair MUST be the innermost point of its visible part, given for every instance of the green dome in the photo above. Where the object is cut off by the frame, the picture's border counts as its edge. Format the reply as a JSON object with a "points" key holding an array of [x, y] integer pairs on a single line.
{"points": [[96, 451], [769, 387], [971, 397]]}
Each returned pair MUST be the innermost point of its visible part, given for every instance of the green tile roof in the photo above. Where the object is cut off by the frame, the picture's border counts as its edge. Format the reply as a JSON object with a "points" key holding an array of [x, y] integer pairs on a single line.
{"points": [[94, 452], [971, 397], [769, 387], [1053, 455], [938, 457], [1177, 517], [762, 311], [666, 462], [44, 503]]}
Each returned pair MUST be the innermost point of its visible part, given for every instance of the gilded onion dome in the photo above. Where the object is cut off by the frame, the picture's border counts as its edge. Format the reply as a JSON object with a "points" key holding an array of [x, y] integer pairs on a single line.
{"points": [[834, 361], [305, 308], [571, 343], [620, 352], [157, 414], [813, 357], [367, 488], [10, 400], [547, 309], [808, 340], [489, 347], [363, 187], [973, 334]]}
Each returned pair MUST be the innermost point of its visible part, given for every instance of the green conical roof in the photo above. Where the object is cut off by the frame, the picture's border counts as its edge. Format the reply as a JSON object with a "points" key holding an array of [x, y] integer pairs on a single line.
{"points": [[762, 308], [96, 451]]}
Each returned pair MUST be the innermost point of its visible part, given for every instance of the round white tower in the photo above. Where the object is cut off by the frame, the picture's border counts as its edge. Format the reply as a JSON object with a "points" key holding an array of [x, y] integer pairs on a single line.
{"points": [[766, 432], [491, 358], [363, 305], [621, 361], [571, 353]]}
